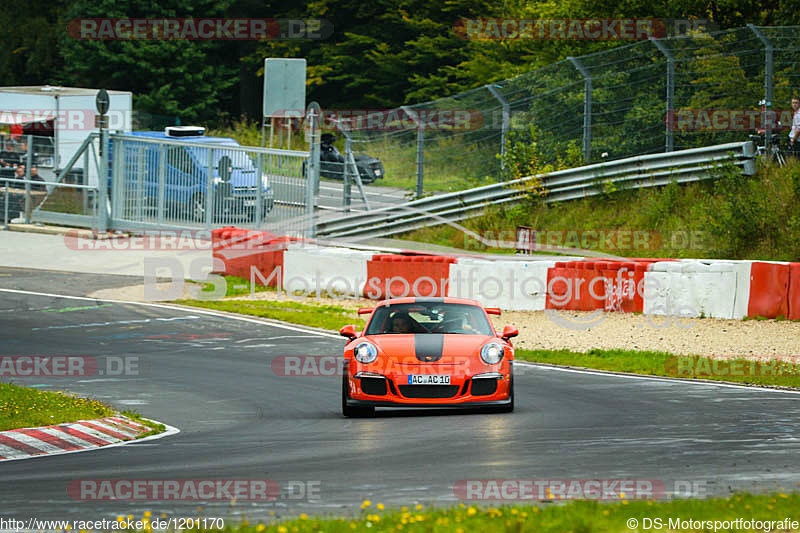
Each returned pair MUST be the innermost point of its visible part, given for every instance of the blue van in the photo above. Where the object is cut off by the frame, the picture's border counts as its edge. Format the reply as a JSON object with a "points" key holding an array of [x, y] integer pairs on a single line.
{"points": [[186, 175]]}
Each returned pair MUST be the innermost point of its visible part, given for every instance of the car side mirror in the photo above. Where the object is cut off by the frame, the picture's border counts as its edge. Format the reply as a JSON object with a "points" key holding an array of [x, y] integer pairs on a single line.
{"points": [[508, 332], [348, 331]]}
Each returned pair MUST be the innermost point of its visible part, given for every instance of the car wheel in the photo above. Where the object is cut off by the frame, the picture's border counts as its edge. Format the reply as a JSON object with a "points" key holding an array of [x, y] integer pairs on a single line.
{"points": [[350, 411], [509, 408]]}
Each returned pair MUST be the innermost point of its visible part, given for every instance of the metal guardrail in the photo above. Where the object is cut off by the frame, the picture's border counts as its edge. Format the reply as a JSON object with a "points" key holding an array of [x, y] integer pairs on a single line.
{"points": [[631, 173]]}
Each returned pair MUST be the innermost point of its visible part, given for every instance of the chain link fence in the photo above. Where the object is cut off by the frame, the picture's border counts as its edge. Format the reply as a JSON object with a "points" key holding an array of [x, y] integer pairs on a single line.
{"points": [[650, 96]]}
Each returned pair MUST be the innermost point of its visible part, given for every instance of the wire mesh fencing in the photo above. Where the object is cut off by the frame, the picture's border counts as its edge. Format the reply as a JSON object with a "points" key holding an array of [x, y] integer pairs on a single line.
{"points": [[653, 95]]}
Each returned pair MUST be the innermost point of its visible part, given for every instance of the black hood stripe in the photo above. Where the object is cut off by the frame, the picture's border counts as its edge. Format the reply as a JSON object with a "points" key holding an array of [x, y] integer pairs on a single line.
{"points": [[428, 347]]}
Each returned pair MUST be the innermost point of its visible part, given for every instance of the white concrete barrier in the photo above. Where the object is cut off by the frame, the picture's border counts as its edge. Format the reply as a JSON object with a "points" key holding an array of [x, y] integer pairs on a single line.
{"points": [[511, 285], [311, 268]]}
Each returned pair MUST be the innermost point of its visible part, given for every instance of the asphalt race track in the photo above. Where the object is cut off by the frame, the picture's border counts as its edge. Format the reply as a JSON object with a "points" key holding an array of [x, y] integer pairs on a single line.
{"points": [[210, 377]]}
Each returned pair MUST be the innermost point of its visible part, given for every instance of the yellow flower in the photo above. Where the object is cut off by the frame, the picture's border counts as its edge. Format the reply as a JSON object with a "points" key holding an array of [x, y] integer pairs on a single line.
{"points": [[304, 516], [418, 507], [606, 512], [260, 528], [147, 514], [404, 508], [120, 518], [471, 511], [282, 529], [365, 504], [622, 495], [380, 507]]}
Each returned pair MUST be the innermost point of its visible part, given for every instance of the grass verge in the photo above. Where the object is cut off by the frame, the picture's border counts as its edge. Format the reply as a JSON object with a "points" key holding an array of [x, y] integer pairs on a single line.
{"points": [[768, 374], [22, 407], [578, 516], [320, 316]]}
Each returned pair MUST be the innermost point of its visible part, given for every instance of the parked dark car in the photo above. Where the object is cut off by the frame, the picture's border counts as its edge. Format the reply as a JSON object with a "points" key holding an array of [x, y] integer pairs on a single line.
{"points": [[332, 162]]}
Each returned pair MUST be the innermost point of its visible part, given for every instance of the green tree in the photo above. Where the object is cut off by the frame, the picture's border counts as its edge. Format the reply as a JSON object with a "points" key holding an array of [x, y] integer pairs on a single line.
{"points": [[191, 79]]}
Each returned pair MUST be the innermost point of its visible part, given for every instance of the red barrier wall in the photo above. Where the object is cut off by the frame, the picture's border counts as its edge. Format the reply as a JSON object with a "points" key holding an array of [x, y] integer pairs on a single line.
{"points": [[769, 290], [391, 276]]}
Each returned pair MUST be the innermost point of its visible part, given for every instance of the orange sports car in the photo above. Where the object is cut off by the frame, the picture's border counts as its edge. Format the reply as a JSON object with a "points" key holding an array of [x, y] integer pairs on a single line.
{"points": [[427, 352]]}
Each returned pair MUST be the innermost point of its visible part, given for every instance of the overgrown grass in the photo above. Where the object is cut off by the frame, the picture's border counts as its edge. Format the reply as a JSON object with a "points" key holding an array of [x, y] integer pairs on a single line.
{"points": [[22, 407], [321, 316], [731, 217], [576, 516], [772, 373]]}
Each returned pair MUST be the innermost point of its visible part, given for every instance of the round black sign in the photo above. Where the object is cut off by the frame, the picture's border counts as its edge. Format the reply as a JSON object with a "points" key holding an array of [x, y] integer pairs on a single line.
{"points": [[102, 101]]}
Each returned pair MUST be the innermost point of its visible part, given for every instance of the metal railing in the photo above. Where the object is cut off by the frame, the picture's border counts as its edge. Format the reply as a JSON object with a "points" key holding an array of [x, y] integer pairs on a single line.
{"points": [[632, 173], [161, 183]]}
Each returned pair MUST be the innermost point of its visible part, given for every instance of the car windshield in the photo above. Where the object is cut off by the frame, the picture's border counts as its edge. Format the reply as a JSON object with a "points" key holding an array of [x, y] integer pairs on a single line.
{"points": [[429, 317]]}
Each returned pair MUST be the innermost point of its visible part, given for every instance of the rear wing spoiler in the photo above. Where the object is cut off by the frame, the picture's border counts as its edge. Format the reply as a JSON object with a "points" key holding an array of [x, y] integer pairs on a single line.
{"points": [[492, 310], [365, 310]]}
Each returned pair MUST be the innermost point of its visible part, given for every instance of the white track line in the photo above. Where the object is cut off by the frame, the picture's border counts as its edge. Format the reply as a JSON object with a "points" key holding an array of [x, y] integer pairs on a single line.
{"points": [[196, 310], [277, 324], [653, 378]]}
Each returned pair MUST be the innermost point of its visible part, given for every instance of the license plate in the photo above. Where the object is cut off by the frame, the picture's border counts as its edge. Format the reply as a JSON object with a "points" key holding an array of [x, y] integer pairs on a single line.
{"points": [[377, 172], [249, 203], [428, 379]]}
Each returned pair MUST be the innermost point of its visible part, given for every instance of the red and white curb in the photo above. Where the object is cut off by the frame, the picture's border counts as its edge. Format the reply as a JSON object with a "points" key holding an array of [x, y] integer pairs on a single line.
{"points": [[84, 435]]}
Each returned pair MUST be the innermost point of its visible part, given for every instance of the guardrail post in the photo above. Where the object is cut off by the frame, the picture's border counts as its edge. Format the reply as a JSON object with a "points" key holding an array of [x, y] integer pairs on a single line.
{"points": [[506, 121], [28, 163], [420, 150], [670, 142], [768, 81], [587, 110]]}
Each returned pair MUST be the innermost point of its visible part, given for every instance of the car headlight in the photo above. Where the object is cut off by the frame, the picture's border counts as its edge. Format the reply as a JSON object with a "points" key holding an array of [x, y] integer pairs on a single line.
{"points": [[365, 353], [492, 353]]}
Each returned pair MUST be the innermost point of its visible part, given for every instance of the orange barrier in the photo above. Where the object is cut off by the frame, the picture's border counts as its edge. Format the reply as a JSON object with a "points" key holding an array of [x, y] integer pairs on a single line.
{"points": [[794, 292], [240, 250], [769, 290], [392, 276], [560, 285], [590, 285]]}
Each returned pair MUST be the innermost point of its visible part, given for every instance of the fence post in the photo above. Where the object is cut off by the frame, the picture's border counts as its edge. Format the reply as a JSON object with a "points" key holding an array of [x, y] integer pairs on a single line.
{"points": [[28, 162], [506, 120], [162, 183], [102, 181], [420, 150], [259, 209], [346, 197], [313, 112], [670, 145], [767, 108], [587, 110], [210, 192]]}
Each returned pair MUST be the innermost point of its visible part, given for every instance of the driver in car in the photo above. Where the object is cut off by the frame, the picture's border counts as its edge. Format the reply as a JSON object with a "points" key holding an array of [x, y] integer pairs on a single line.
{"points": [[402, 323]]}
